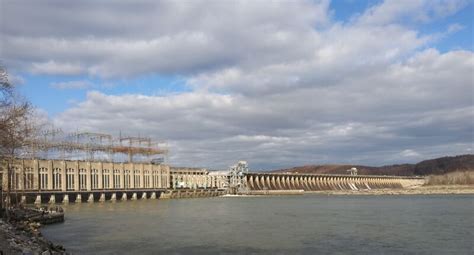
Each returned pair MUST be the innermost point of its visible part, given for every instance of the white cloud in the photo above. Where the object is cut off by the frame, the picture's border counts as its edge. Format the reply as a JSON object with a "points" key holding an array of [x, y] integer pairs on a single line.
{"points": [[167, 37], [54, 68], [410, 153], [82, 84], [16, 79], [420, 103], [391, 11], [276, 83], [453, 28]]}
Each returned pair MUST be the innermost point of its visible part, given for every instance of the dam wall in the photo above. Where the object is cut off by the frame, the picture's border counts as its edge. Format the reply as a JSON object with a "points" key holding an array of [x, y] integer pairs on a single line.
{"points": [[196, 178], [68, 181], [74, 175], [317, 182], [79, 181]]}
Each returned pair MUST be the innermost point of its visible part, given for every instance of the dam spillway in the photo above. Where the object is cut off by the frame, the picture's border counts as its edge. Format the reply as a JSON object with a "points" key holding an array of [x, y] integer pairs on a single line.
{"points": [[320, 182]]}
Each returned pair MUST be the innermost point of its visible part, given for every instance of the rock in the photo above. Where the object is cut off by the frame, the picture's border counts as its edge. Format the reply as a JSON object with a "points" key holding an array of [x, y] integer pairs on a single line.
{"points": [[27, 251], [24, 237]]}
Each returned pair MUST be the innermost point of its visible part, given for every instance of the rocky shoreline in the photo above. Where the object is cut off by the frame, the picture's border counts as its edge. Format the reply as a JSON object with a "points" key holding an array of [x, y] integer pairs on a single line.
{"points": [[24, 237]]}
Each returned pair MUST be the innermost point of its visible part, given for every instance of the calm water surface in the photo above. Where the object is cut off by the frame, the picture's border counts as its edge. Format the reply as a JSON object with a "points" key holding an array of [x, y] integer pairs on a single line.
{"points": [[309, 224]]}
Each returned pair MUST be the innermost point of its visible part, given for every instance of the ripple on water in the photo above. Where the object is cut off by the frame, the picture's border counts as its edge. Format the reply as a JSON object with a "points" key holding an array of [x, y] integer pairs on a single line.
{"points": [[306, 224]]}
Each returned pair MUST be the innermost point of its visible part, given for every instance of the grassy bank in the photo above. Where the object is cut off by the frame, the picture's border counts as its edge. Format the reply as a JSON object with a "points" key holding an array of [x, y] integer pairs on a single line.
{"points": [[453, 178]]}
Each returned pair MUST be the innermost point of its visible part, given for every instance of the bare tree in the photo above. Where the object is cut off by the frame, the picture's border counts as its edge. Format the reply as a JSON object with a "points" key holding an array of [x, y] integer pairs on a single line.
{"points": [[16, 129], [6, 89]]}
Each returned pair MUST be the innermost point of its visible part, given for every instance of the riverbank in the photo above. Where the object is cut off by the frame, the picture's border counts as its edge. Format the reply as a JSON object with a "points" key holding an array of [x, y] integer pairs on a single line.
{"points": [[420, 190], [24, 237]]}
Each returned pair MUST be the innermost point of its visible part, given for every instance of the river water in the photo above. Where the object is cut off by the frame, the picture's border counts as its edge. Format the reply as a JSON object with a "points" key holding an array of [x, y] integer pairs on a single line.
{"points": [[308, 224]]}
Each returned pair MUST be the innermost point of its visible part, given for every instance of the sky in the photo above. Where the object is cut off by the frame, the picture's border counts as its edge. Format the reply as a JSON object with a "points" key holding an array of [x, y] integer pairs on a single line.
{"points": [[276, 83]]}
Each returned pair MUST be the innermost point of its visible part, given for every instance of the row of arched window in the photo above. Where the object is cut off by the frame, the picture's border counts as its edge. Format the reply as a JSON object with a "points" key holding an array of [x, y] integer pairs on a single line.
{"points": [[108, 181]]}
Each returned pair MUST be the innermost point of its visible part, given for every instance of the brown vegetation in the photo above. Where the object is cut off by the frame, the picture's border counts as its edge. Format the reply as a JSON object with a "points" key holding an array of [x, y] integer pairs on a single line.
{"points": [[16, 128], [453, 178]]}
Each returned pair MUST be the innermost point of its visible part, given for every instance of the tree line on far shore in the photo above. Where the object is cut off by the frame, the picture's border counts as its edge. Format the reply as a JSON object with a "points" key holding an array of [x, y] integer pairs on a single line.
{"points": [[437, 166]]}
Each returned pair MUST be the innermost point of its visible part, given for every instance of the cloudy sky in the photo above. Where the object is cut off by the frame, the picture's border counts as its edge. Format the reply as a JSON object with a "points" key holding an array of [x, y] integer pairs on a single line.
{"points": [[276, 83]]}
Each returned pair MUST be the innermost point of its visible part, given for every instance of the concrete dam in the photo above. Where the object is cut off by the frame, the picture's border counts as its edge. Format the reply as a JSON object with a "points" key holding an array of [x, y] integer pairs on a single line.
{"points": [[317, 182], [64, 181]]}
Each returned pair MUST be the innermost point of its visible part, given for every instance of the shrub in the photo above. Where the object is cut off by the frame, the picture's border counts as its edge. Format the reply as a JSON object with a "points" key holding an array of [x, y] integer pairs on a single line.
{"points": [[458, 177]]}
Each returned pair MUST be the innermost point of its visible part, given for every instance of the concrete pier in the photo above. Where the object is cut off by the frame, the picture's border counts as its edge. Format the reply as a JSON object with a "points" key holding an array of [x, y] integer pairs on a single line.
{"points": [[66, 199], [38, 200], [194, 193], [90, 199], [52, 199]]}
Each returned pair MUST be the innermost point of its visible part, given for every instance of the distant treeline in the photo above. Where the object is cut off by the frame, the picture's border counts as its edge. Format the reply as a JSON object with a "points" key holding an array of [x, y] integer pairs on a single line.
{"points": [[436, 166]]}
